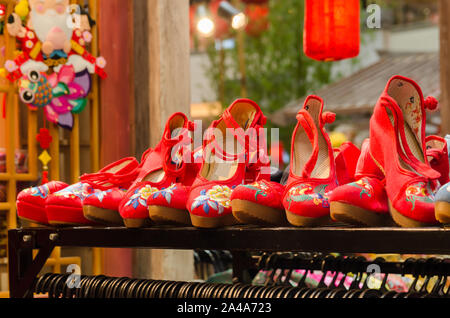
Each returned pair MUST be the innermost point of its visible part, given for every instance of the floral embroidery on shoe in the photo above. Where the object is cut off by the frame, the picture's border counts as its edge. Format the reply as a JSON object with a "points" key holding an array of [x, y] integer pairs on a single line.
{"points": [[41, 191], [100, 194], [305, 192], [166, 193], [420, 192], [140, 196], [216, 198], [78, 190], [364, 186], [260, 187]]}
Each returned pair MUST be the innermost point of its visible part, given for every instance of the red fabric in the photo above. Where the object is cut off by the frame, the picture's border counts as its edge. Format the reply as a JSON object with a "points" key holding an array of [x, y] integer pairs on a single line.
{"points": [[409, 193], [174, 197], [31, 201], [368, 191], [438, 157], [262, 192], [346, 161], [212, 198], [134, 204], [304, 195]]}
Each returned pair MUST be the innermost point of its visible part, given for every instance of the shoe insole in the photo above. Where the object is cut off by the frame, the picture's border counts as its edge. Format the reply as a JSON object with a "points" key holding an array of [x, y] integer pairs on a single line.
{"points": [[216, 167], [408, 99], [303, 148]]}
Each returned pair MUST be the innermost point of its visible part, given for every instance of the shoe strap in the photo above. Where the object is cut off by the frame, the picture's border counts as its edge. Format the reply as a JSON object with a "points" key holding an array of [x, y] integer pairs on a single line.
{"points": [[409, 158], [107, 180], [249, 141]]}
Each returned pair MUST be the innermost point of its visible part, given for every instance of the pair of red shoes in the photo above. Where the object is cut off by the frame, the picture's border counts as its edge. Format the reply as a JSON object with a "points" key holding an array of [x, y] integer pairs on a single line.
{"points": [[399, 169], [97, 195], [316, 169], [198, 190]]}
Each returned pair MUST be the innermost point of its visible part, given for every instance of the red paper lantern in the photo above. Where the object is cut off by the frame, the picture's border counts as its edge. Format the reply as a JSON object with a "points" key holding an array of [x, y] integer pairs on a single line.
{"points": [[331, 30]]}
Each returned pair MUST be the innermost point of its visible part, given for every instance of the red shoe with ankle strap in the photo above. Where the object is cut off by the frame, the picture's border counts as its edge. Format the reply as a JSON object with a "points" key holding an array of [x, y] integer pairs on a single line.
{"points": [[312, 173], [65, 207], [240, 125], [168, 205], [397, 145], [261, 203], [363, 202], [31, 202], [102, 206], [162, 167]]}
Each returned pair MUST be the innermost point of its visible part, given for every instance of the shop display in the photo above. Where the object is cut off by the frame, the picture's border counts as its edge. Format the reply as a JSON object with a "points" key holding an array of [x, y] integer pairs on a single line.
{"points": [[167, 169], [393, 177]]}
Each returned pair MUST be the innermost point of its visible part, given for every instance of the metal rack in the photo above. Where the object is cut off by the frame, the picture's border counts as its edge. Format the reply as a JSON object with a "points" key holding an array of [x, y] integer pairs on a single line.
{"points": [[240, 240]]}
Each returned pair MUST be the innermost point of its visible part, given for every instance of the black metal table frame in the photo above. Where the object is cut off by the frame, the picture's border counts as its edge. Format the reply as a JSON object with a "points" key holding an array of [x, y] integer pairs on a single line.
{"points": [[240, 240]]}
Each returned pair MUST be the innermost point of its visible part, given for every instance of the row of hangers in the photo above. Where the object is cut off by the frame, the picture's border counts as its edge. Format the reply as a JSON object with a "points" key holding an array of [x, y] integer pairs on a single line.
{"points": [[56, 286], [282, 265]]}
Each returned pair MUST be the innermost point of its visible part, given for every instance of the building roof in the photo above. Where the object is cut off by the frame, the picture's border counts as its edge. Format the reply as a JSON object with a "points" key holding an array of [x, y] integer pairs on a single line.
{"points": [[358, 93]]}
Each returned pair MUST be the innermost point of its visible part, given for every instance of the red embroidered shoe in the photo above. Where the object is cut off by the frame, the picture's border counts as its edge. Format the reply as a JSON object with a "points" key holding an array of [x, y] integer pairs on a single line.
{"points": [[65, 207], [160, 168], [109, 189], [168, 205], [239, 128], [312, 173], [259, 203], [31, 202], [363, 202], [397, 145], [437, 155]]}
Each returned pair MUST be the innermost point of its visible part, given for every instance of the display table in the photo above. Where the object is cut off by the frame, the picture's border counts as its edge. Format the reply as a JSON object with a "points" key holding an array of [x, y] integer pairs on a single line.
{"points": [[240, 240]]}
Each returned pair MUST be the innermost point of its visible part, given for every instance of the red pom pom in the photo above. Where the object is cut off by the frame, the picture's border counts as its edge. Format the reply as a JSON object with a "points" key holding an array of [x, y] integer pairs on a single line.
{"points": [[431, 103], [328, 117]]}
